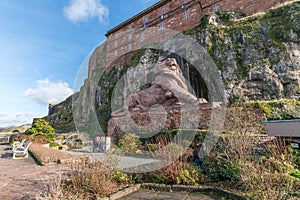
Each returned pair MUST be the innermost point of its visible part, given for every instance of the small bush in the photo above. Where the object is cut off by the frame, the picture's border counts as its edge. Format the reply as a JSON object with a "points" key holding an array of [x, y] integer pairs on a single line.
{"points": [[41, 128], [181, 172], [158, 178], [188, 177], [129, 143], [121, 177], [222, 170], [281, 109], [296, 158]]}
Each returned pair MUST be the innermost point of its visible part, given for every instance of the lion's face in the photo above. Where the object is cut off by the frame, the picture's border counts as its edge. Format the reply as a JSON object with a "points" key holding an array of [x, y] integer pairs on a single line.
{"points": [[171, 64]]}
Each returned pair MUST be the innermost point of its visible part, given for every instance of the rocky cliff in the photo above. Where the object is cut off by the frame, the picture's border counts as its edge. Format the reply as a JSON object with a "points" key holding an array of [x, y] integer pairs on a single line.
{"points": [[257, 57]]}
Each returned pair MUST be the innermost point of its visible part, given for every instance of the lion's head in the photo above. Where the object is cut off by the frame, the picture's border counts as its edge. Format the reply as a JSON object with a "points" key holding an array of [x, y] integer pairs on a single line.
{"points": [[171, 64]]}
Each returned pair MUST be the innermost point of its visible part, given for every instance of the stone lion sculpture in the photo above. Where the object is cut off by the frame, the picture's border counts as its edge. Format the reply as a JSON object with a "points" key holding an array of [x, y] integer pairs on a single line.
{"points": [[168, 89]]}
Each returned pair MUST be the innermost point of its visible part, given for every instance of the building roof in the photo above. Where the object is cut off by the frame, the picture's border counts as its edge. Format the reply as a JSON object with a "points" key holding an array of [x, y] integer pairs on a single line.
{"points": [[137, 16]]}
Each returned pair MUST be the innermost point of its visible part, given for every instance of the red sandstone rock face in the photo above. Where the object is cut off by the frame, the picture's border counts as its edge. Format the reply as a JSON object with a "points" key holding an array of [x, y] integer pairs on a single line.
{"points": [[152, 122], [169, 89]]}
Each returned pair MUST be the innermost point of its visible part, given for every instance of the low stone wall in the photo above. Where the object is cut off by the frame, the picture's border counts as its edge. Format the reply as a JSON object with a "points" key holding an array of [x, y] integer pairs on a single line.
{"points": [[171, 188]]}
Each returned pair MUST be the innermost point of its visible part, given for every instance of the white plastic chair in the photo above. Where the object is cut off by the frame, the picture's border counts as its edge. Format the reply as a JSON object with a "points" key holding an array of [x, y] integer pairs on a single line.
{"points": [[21, 152], [18, 144]]}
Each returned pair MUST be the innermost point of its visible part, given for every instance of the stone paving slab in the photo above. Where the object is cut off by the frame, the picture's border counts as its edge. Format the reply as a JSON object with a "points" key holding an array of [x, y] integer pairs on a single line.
{"points": [[158, 195], [22, 178]]}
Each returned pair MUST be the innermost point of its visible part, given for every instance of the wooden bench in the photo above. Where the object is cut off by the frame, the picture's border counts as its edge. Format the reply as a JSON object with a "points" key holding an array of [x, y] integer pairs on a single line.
{"points": [[21, 152]]}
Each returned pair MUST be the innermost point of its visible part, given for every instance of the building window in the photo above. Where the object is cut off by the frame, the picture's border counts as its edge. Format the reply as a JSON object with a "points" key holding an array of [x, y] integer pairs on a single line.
{"points": [[130, 27], [116, 39], [216, 8], [183, 5], [162, 25], [163, 13], [145, 21], [185, 15], [164, 10], [142, 35], [129, 36], [129, 46], [116, 52]]}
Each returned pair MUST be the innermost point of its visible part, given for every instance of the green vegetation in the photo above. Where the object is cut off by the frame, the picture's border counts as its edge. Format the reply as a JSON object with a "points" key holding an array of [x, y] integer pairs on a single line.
{"points": [[231, 33], [295, 173], [278, 22], [284, 109], [41, 128], [296, 157], [129, 143], [219, 170], [61, 117], [135, 58]]}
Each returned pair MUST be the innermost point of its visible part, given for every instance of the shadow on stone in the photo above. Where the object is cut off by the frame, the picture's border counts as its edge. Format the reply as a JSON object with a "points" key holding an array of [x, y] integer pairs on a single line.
{"points": [[6, 155]]}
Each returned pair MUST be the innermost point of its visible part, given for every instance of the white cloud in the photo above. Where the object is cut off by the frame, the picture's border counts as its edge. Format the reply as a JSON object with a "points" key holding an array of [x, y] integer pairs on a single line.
{"points": [[83, 10], [16, 119], [49, 92]]}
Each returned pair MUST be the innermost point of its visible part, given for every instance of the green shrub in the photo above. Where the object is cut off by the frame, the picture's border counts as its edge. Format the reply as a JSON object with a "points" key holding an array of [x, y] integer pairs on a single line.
{"points": [[53, 145], [188, 176], [296, 158], [295, 173], [280, 109], [221, 170], [129, 143], [121, 177], [40, 128], [158, 178]]}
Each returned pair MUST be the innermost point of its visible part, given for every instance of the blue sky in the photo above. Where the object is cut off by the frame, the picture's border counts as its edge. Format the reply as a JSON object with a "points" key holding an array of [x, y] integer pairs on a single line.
{"points": [[43, 43]]}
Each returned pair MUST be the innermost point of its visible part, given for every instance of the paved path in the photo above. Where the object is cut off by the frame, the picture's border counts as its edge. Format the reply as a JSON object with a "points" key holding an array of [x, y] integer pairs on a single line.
{"points": [[154, 195], [135, 163], [22, 178]]}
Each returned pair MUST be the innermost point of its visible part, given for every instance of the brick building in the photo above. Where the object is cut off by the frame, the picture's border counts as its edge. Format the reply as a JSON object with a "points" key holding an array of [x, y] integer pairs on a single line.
{"points": [[151, 24]]}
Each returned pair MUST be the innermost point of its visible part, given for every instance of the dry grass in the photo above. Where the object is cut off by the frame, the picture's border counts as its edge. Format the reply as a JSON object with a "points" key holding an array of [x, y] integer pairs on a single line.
{"points": [[260, 176], [85, 181], [175, 168], [47, 155]]}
